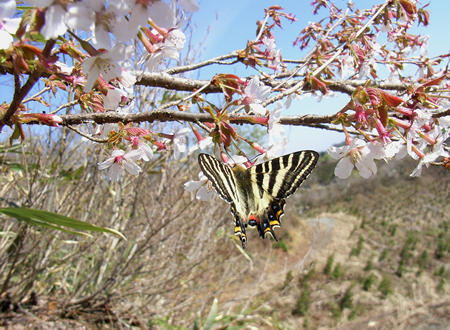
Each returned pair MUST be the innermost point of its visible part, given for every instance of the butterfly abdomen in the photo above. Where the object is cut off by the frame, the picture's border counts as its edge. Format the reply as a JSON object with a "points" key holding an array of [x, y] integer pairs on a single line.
{"points": [[245, 192]]}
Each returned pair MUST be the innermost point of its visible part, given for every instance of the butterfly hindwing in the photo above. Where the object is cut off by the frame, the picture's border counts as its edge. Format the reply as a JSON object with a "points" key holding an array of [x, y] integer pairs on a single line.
{"points": [[280, 177]]}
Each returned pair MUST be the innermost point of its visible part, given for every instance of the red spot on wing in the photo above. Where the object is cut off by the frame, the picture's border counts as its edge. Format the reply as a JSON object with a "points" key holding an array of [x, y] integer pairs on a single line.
{"points": [[255, 218]]}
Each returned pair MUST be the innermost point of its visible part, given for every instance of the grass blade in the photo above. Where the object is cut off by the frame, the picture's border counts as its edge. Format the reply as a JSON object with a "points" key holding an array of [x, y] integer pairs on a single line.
{"points": [[55, 221]]}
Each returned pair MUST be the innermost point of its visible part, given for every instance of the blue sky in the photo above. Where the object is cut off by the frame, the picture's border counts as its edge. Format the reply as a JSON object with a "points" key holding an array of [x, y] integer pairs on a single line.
{"points": [[232, 23]]}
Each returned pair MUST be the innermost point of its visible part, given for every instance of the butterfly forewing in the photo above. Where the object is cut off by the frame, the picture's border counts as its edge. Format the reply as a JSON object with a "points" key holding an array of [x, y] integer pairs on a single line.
{"points": [[220, 176], [280, 177]]}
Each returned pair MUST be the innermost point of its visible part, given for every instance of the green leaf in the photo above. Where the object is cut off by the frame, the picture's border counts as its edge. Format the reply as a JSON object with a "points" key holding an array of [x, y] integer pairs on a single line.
{"points": [[16, 133], [55, 221], [211, 316], [72, 174], [16, 167]]}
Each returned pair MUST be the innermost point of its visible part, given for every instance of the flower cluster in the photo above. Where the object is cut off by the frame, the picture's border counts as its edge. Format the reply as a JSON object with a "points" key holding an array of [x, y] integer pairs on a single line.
{"points": [[104, 55], [397, 128], [100, 75]]}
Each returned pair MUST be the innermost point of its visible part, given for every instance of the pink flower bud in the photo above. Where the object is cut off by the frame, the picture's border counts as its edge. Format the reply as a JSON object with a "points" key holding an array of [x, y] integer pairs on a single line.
{"points": [[224, 157], [258, 148], [43, 118], [382, 132], [160, 145]]}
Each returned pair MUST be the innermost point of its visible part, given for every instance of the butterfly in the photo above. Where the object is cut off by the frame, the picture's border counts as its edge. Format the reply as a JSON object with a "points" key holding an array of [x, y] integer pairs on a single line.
{"points": [[257, 194]]}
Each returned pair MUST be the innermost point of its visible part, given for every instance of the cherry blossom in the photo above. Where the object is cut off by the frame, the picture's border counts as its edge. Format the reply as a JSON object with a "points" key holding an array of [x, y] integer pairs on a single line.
{"points": [[273, 54], [146, 152], [427, 160], [357, 154], [204, 193], [120, 160], [105, 64], [104, 130], [162, 15], [277, 135], [254, 94], [346, 68], [55, 18], [104, 22], [169, 46], [8, 24], [179, 142], [203, 144], [236, 160], [140, 13], [113, 98], [173, 44], [427, 145]]}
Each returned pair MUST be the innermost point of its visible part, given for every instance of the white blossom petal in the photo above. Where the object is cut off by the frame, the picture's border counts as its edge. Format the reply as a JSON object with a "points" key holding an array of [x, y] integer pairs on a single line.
{"points": [[54, 22], [132, 167], [162, 14], [112, 99], [258, 109], [189, 5], [191, 186], [11, 24], [147, 152], [7, 9], [6, 39], [366, 167], [338, 152], [80, 17], [105, 164], [343, 168], [115, 172], [204, 194]]}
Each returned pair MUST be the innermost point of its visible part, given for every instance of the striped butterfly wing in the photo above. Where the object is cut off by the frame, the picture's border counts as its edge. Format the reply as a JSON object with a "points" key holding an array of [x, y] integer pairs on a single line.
{"points": [[222, 178], [260, 199], [280, 177], [220, 175], [277, 179]]}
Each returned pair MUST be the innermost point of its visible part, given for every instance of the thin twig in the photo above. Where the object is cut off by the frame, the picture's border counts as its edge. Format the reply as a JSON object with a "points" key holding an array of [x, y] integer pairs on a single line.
{"points": [[89, 137], [215, 60], [31, 98], [20, 93], [337, 52], [67, 105]]}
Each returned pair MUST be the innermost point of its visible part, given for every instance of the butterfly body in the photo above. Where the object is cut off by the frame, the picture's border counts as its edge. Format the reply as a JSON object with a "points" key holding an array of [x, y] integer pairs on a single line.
{"points": [[257, 195]]}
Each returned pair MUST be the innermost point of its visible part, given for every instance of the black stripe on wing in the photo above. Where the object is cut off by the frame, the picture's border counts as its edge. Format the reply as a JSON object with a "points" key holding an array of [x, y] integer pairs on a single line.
{"points": [[306, 161], [220, 175], [280, 177]]}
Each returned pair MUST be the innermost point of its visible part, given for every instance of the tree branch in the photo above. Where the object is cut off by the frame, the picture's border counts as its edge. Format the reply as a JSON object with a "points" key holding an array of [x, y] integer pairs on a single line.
{"points": [[164, 80], [171, 115], [20, 93]]}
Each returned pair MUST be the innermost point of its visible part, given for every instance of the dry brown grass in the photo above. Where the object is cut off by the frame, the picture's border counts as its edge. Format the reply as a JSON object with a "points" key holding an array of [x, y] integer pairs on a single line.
{"points": [[180, 254], [172, 264]]}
